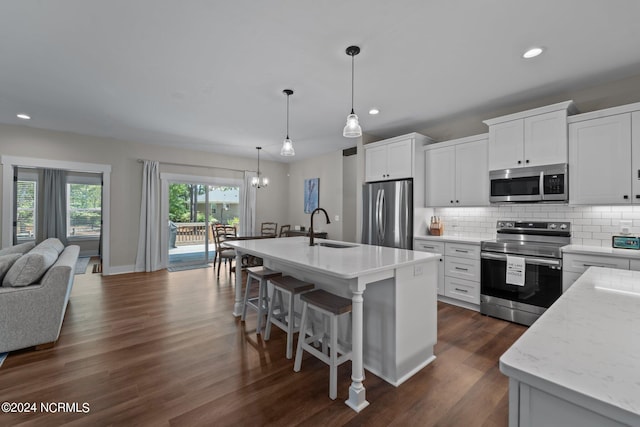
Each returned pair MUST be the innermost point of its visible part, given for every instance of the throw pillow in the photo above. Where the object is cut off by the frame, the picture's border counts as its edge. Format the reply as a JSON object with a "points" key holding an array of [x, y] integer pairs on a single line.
{"points": [[21, 248], [30, 267], [6, 261]]}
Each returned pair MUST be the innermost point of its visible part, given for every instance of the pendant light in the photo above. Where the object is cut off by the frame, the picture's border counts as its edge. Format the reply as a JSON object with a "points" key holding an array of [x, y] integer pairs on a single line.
{"points": [[287, 145], [258, 181], [352, 129]]}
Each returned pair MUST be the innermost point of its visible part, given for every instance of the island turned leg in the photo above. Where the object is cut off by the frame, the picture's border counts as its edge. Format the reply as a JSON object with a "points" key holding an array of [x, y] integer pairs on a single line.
{"points": [[357, 393], [237, 307]]}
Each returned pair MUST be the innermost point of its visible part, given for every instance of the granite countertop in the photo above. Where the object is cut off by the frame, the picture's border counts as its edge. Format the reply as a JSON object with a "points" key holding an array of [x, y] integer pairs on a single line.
{"points": [[346, 263], [586, 346], [601, 251], [452, 239]]}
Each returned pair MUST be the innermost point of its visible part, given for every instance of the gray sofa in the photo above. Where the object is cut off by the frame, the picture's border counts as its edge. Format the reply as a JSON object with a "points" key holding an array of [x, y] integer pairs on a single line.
{"points": [[34, 293]]}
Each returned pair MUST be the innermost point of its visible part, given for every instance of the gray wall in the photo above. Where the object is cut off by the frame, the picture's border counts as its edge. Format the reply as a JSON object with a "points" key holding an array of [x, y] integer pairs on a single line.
{"points": [[126, 175]]}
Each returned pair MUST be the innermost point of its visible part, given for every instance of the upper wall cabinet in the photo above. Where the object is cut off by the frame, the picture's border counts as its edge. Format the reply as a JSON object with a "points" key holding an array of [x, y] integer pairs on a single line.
{"points": [[529, 138], [456, 172], [392, 158], [604, 156]]}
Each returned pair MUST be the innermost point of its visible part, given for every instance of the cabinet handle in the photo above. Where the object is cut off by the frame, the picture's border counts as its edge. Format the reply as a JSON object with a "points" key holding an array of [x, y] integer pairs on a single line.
{"points": [[450, 201], [519, 162], [462, 251], [461, 269], [457, 201], [626, 196], [638, 173], [637, 196], [527, 161], [461, 290]]}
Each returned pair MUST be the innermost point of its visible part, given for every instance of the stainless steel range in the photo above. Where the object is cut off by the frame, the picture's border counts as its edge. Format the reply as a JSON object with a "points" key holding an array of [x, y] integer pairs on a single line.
{"points": [[521, 271]]}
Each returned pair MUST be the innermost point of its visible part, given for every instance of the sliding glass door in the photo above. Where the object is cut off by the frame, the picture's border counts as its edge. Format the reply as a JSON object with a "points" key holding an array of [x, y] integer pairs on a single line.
{"points": [[194, 209]]}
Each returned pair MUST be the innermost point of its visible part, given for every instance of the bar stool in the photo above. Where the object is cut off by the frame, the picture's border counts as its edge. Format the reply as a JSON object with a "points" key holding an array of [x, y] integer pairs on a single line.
{"points": [[330, 306], [278, 311], [261, 302]]}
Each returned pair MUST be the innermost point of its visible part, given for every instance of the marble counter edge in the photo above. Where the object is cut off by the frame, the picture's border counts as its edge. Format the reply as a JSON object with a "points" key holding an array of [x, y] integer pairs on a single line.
{"points": [[423, 257], [601, 251], [452, 239]]}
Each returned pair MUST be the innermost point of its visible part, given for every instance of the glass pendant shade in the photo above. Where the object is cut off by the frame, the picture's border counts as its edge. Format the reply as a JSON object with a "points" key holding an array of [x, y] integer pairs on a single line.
{"points": [[259, 181], [352, 128], [287, 148], [287, 144]]}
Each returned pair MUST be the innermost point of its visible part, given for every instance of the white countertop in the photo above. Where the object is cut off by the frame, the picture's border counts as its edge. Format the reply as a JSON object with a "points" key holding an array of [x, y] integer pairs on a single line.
{"points": [[452, 238], [587, 345], [602, 251], [345, 263]]}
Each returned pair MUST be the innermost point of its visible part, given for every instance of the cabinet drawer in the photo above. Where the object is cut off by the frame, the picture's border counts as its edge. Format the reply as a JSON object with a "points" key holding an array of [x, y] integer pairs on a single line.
{"points": [[462, 250], [428, 246], [578, 263], [462, 268], [464, 290]]}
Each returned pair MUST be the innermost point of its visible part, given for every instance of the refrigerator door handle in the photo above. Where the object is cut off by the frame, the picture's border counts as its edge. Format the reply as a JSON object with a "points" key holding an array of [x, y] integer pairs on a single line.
{"points": [[383, 216], [377, 216]]}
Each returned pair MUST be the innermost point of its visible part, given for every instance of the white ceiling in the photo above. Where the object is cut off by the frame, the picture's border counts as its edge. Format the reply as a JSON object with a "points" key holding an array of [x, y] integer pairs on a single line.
{"points": [[209, 75]]}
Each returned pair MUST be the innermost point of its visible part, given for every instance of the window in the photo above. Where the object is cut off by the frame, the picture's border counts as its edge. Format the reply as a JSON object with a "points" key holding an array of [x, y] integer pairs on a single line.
{"points": [[26, 213], [84, 210]]}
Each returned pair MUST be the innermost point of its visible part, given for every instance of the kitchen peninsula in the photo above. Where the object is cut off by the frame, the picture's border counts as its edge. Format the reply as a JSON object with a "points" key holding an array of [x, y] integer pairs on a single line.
{"points": [[394, 323], [578, 364]]}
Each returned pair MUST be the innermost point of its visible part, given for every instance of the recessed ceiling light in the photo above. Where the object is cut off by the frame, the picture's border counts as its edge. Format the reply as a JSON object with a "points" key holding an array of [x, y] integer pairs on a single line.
{"points": [[532, 53], [23, 116], [374, 111]]}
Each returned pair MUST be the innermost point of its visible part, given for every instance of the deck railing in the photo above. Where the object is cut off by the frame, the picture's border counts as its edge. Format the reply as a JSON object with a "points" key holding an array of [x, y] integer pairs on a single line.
{"points": [[191, 233]]}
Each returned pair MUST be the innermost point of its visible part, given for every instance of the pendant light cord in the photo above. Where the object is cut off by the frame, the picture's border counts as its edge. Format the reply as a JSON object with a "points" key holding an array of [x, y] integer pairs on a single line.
{"points": [[352, 82], [287, 116]]}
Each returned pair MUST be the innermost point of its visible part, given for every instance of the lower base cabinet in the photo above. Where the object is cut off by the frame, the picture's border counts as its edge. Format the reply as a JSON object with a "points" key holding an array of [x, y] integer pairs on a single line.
{"points": [[458, 271], [576, 264]]}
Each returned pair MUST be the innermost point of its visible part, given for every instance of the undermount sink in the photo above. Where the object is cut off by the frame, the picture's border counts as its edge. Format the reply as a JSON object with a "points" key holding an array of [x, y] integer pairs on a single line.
{"points": [[334, 245]]}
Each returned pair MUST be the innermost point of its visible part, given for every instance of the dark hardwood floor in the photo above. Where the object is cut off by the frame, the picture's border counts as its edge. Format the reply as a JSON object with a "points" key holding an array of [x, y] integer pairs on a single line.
{"points": [[164, 349]]}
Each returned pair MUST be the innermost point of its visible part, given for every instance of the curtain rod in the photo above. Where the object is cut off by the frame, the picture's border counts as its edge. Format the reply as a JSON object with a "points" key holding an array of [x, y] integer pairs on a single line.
{"points": [[197, 166]]}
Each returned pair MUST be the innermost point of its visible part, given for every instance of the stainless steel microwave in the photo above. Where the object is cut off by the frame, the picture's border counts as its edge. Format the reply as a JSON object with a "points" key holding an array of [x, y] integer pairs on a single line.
{"points": [[531, 184]]}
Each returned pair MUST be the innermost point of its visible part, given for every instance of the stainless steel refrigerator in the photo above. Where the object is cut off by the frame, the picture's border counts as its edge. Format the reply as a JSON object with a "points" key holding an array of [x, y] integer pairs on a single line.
{"points": [[388, 214]]}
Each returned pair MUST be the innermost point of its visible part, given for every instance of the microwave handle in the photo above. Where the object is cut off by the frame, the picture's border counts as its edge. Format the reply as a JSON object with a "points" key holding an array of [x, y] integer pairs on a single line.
{"points": [[542, 185]]}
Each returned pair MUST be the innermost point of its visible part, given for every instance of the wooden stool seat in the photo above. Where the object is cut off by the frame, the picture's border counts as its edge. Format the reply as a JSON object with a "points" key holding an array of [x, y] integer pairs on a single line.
{"points": [[281, 315], [260, 303], [333, 352], [328, 301]]}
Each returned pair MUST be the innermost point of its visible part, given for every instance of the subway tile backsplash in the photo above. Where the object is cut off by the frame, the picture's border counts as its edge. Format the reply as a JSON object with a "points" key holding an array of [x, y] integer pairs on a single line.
{"points": [[591, 225]]}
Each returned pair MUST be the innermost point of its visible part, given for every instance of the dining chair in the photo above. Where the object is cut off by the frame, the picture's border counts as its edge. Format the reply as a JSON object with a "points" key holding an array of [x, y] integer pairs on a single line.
{"points": [[220, 234], [284, 230], [269, 229]]}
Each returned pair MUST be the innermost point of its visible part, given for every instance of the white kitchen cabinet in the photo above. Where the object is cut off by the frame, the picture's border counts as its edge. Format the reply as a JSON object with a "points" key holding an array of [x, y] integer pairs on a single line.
{"points": [[457, 173], [529, 138], [634, 264], [434, 248], [574, 264], [462, 274], [600, 160], [392, 158]]}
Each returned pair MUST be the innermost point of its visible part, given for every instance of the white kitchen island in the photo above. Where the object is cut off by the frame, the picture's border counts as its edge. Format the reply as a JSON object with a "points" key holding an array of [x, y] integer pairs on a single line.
{"points": [[394, 323], [579, 363]]}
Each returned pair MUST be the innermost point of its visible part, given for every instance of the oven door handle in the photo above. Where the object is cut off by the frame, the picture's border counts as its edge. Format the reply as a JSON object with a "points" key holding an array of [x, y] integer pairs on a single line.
{"points": [[527, 259]]}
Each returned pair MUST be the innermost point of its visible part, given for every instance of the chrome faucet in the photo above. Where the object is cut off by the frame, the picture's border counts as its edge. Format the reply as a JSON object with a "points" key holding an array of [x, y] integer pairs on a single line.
{"points": [[311, 227]]}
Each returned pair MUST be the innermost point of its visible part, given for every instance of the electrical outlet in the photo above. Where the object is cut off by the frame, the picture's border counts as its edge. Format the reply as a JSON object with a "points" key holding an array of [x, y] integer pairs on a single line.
{"points": [[336, 218], [625, 226]]}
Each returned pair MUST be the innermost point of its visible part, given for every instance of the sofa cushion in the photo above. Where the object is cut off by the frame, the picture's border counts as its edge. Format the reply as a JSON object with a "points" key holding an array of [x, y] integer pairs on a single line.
{"points": [[6, 261], [21, 248], [29, 268], [52, 243]]}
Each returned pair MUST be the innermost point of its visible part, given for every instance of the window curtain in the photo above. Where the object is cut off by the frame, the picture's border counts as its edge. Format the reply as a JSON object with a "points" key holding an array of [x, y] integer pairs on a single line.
{"points": [[148, 257], [54, 204], [248, 206]]}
